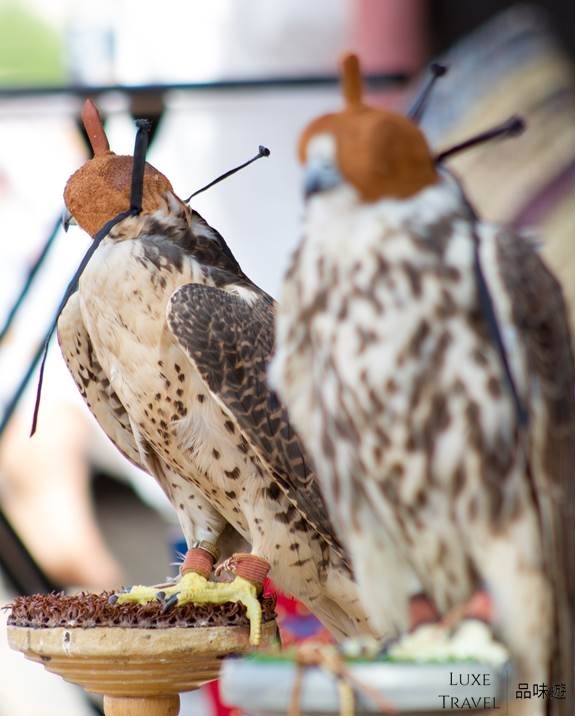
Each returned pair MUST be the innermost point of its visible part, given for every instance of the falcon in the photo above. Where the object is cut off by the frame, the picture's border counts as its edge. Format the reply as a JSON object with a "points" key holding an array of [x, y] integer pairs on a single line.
{"points": [[168, 342], [425, 358]]}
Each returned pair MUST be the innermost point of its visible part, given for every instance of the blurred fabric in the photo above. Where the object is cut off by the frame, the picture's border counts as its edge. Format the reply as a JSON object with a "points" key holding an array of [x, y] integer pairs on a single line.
{"points": [[515, 65]]}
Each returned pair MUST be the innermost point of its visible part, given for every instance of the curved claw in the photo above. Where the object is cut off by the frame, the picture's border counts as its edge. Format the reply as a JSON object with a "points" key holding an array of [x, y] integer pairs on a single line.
{"points": [[113, 598], [170, 602]]}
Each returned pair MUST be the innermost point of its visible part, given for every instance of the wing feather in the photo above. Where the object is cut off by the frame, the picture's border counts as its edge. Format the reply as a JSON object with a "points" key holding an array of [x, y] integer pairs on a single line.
{"points": [[541, 317], [230, 340]]}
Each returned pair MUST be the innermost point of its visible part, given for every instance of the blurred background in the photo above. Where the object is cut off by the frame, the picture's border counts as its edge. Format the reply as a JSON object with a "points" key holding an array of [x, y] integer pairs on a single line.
{"points": [[217, 79]]}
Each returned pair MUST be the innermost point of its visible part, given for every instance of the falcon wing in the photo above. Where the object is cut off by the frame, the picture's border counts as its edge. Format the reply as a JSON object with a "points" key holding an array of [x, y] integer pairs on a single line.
{"points": [[541, 317], [92, 382], [230, 339]]}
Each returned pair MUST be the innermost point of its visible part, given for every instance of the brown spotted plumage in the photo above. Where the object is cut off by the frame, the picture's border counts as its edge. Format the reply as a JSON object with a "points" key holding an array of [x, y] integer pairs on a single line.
{"points": [[168, 342], [387, 361]]}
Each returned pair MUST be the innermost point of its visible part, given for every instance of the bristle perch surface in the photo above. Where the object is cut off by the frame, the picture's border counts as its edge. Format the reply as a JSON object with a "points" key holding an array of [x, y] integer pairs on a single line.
{"points": [[46, 611], [132, 654]]}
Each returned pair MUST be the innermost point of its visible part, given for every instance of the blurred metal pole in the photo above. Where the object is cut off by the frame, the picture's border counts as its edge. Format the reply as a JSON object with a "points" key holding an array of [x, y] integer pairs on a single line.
{"points": [[32, 272], [25, 576], [10, 408], [18, 565]]}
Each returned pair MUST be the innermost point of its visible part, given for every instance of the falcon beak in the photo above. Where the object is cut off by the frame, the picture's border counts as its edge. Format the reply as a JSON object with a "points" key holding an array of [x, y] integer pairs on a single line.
{"points": [[320, 175], [68, 219]]}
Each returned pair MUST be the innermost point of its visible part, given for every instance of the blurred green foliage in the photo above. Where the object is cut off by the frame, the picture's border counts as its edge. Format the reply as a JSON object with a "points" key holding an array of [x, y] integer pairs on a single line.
{"points": [[31, 50]]}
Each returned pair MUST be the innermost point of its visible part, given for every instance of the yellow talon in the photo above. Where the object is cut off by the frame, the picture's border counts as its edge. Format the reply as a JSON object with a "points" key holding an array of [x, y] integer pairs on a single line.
{"points": [[193, 588], [238, 590]]}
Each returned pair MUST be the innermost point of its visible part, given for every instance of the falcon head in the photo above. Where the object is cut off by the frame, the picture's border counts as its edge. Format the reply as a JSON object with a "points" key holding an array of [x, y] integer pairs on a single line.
{"points": [[380, 153], [100, 189]]}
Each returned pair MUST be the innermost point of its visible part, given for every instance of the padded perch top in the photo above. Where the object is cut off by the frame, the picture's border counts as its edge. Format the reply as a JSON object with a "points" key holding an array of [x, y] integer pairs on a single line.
{"points": [[137, 656], [93, 610]]}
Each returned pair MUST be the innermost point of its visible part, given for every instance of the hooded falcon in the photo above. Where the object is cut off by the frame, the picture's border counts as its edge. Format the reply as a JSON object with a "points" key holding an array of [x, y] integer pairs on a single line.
{"points": [[425, 358], [168, 341]]}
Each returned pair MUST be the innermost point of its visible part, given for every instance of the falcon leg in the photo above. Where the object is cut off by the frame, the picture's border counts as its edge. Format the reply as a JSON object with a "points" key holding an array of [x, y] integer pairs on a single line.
{"points": [[200, 559], [193, 586], [248, 566], [250, 572], [478, 607], [421, 611], [194, 572]]}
